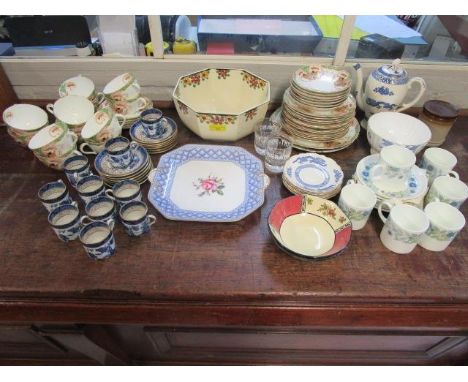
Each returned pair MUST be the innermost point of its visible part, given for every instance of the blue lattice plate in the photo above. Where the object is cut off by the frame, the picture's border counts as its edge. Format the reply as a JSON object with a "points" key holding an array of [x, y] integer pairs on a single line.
{"points": [[312, 174], [209, 183], [416, 185]]}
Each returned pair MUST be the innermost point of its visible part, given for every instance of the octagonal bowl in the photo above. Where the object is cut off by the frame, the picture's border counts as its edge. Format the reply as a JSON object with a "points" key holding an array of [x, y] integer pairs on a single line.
{"points": [[221, 104]]}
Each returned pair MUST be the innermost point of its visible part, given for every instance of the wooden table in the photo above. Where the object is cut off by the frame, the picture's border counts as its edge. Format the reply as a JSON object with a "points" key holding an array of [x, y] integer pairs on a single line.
{"points": [[222, 293]]}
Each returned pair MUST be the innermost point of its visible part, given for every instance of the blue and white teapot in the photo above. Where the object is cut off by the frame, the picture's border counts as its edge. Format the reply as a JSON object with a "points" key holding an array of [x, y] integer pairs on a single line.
{"points": [[386, 88]]}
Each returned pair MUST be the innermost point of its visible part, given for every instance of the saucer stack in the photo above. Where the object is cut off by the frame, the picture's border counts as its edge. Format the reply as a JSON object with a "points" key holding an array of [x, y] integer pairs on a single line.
{"points": [[159, 144], [137, 170], [318, 110], [313, 174]]}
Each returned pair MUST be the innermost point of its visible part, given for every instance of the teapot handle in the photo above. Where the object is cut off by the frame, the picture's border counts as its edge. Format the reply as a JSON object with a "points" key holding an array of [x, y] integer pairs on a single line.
{"points": [[422, 89]]}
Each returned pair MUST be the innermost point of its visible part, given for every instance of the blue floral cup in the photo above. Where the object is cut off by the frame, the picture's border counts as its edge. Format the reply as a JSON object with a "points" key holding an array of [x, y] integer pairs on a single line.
{"points": [[98, 240], [121, 151], [134, 216], [76, 168], [125, 191], [99, 209], [54, 194], [90, 187], [65, 221], [153, 123]]}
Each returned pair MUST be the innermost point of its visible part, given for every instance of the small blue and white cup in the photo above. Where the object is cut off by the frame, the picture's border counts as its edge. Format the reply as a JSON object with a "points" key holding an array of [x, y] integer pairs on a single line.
{"points": [[98, 240], [65, 221], [90, 187], [121, 151], [134, 216], [76, 168], [125, 191], [99, 209], [153, 122], [54, 194], [438, 162]]}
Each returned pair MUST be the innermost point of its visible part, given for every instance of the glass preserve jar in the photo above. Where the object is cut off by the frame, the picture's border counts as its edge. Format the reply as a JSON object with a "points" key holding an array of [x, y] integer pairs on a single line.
{"points": [[440, 117]]}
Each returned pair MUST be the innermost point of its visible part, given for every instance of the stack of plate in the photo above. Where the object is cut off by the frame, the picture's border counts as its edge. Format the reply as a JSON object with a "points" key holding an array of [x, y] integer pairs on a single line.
{"points": [[155, 145], [318, 110], [313, 174], [138, 169]]}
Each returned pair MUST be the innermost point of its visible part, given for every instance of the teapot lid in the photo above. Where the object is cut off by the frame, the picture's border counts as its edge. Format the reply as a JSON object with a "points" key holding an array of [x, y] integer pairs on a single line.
{"points": [[392, 73]]}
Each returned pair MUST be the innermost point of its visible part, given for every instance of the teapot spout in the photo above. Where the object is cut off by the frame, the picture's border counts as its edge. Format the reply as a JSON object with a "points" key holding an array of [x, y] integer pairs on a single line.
{"points": [[359, 92]]}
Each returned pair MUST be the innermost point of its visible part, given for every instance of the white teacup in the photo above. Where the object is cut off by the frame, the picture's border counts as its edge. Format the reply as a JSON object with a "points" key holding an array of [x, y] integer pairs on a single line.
{"points": [[104, 125], [131, 109], [122, 88], [357, 202], [445, 223], [23, 121], [80, 86], [438, 162], [403, 227], [72, 110], [394, 167], [448, 190], [53, 144]]}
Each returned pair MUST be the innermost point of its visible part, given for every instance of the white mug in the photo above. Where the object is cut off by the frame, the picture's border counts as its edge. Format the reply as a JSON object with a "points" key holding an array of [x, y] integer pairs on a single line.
{"points": [[394, 168], [448, 190], [403, 227], [73, 111], [438, 162], [357, 202], [445, 223]]}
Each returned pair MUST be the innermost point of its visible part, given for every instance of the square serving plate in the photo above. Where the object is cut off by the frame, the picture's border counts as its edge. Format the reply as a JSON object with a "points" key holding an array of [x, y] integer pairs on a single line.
{"points": [[209, 183]]}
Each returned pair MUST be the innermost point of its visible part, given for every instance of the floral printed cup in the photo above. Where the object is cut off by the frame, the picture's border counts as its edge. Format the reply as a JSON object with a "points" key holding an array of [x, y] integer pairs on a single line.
{"points": [[438, 162], [80, 86], [125, 191], [121, 151], [99, 209], [90, 187], [154, 124], [104, 125], [394, 166], [122, 88], [24, 121], [357, 202], [53, 144], [54, 194], [65, 221], [448, 190], [131, 109], [403, 228], [445, 223], [98, 240], [72, 110], [76, 167], [134, 216]]}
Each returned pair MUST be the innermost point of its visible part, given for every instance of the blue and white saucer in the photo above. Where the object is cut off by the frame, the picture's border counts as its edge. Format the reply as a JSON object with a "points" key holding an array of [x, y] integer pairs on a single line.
{"points": [[416, 185], [312, 174], [154, 145], [105, 167]]}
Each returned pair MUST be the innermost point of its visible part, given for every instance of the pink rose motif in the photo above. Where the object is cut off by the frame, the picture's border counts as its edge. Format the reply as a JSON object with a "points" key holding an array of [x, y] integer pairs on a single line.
{"points": [[209, 185]]}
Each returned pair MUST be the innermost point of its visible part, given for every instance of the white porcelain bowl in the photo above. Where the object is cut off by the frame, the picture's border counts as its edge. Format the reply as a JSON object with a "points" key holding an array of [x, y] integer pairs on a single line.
{"points": [[393, 128], [221, 104]]}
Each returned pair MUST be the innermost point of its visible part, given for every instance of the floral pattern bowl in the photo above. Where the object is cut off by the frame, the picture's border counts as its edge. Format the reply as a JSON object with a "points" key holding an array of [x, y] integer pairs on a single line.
{"points": [[221, 104]]}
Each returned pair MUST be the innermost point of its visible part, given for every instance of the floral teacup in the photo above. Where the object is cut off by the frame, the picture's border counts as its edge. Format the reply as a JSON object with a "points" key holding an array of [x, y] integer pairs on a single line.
{"points": [[357, 202], [80, 86], [72, 110], [445, 223], [122, 88], [403, 228], [448, 190], [438, 162], [24, 121], [104, 125]]}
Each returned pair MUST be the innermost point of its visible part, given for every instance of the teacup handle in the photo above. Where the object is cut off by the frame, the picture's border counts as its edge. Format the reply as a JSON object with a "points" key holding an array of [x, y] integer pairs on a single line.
{"points": [[142, 103], [50, 108], [379, 209], [453, 174], [110, 194], [74, 136], [74, 204], [100, 97], [152, 219], [110, 223], [84, 151], [134, 146], [85, 220], [121, 119], [136, 86]]}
